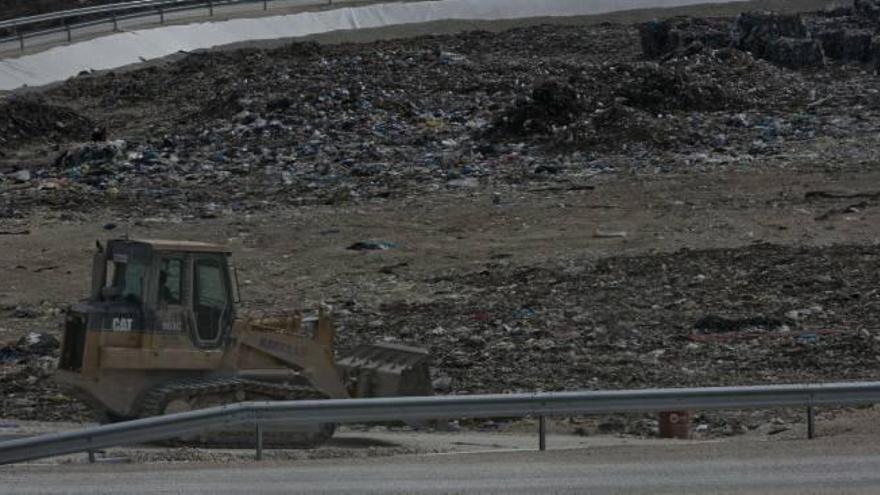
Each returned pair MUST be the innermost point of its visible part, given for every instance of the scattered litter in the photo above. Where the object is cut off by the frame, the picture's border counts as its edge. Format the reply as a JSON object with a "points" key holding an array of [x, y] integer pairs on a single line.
{"points": [[21, 176], [390, 270], [24, 312], [372, 246], [8, 355], [37, 343], [811, 195], [718, 324], [607, 234], [808, 338], [46, 268]]}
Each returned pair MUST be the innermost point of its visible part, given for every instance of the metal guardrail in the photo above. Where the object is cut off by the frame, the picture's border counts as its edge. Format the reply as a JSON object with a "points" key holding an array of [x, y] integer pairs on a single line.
{"points": [[260, 414], [80, 12], [33, 26]]}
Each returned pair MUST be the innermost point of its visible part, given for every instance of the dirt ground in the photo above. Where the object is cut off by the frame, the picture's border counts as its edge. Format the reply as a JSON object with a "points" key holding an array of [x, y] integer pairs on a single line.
{"points": [[709, 223], [617, 265], [297, 256]]}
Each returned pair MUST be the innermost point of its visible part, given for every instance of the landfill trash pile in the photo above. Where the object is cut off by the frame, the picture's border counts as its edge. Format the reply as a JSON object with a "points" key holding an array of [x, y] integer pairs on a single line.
{"points": [[250, 129], [27, 119], [649, 102], [26, 367], [764, 314]]}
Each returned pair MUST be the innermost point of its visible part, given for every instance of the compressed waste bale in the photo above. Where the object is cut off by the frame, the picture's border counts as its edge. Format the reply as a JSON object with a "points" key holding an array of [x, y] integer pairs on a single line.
{"points": [[661, 38], [867, 8], [848, 45], [795, 53], [779, 38]]}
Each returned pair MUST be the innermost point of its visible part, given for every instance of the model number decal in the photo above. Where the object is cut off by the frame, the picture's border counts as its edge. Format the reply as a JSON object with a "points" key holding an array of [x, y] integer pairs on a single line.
{"points": [[122, 324], [171, 325]]}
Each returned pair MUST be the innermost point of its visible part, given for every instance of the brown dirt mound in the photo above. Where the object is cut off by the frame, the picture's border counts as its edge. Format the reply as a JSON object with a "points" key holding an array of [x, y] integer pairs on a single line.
{"points": [[25, 120]]}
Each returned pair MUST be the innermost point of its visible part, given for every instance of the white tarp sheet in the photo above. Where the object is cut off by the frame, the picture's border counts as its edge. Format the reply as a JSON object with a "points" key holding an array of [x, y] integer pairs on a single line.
{"points": [[120, 49]]}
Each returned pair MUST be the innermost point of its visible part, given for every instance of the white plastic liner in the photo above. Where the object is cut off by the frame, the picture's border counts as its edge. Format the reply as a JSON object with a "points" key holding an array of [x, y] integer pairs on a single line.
{"points": [[120, 49]]}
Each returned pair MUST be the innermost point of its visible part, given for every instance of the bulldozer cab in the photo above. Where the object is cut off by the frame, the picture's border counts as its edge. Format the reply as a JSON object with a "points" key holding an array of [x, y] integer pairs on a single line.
{"points": [[176, 287], [160, 287]]}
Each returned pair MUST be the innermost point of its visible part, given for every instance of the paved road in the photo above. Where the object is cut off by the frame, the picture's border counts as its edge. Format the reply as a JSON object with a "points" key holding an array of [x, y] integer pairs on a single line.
{"points": [[791, 467]]}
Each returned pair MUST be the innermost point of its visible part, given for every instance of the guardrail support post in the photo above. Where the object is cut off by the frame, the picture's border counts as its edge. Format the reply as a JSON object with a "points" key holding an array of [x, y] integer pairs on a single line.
{"points": [[161, 16], [811, 422], [115, 23], [69, 34], [542, 433], [265, 4], [20, 39], [91, 457], [259, 433], [210, 8]]}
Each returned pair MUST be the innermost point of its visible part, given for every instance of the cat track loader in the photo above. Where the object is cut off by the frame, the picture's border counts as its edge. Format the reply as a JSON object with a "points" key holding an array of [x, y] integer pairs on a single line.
{"points": [[160, 334]]}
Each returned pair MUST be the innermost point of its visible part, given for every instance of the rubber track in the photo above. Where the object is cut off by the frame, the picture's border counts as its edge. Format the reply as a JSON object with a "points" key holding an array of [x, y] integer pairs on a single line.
{"points": [[153, 403]]}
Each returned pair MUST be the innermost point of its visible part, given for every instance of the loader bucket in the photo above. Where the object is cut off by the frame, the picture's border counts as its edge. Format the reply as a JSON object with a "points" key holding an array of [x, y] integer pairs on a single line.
{"points": [[387, 370]]}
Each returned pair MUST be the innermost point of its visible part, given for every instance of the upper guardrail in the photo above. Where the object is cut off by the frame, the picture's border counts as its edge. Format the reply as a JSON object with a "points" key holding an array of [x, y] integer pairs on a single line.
{"points": [[84, 11], [538, 404], [66, 21]]}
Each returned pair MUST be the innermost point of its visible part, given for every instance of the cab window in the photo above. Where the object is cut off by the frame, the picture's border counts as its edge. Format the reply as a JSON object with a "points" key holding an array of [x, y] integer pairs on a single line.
{"points": [[210, 299], [171, 281], [128, 279]]}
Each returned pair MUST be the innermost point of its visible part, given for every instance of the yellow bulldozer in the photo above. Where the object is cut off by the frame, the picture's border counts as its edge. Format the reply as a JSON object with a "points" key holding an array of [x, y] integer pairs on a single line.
{"points": [[159, 334]]}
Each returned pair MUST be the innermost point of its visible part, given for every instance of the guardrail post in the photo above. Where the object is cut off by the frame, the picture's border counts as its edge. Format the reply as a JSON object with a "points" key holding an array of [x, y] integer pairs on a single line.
{"points": [[20, 39], [90, 451], [69, 34], [259, 432], [161, 16], [115, 23], [542, 433], [265, 4], [211, 8], [811, 422]]}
